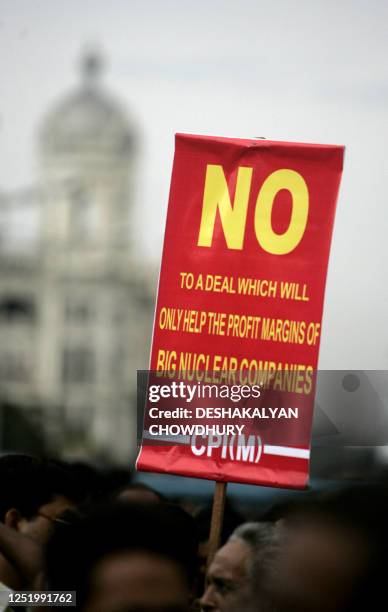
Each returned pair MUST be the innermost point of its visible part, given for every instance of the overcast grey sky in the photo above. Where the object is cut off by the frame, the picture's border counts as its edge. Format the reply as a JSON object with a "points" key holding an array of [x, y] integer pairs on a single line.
{"points": [[287, 69]]}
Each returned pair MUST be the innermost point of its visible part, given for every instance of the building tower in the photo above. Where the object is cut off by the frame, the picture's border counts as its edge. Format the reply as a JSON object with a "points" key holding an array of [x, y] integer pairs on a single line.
{"points": [[95, 304]]}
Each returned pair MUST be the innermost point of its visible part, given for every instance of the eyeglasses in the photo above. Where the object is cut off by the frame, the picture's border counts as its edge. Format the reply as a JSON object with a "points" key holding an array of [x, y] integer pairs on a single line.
{"points": [[53, 519]]}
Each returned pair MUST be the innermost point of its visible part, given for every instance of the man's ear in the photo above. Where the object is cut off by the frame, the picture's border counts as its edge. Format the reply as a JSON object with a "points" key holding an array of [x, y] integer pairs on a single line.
{"points": [[12, 518]]}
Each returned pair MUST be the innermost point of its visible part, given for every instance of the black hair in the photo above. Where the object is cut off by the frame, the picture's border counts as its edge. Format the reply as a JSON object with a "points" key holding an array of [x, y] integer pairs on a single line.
{"points": [[27, 482], [74, 550], [89, 481]]}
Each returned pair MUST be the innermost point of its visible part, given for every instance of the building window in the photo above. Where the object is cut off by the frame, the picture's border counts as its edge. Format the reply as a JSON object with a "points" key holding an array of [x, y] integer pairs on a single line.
{"points": [[77, 310], [78, 365], [17, 308], [14, 368]]}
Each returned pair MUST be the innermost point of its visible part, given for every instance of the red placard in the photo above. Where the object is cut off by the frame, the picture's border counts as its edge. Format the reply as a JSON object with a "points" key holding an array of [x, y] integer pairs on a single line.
{"points": [[241, 290]]}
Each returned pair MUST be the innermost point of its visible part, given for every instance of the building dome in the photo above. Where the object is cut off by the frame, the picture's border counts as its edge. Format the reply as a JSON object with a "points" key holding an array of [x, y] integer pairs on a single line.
{"points": [[88, 119]]}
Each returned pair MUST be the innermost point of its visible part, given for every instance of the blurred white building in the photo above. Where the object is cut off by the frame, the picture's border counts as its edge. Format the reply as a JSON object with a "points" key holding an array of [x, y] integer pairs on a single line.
{"points": [[76, 306]]}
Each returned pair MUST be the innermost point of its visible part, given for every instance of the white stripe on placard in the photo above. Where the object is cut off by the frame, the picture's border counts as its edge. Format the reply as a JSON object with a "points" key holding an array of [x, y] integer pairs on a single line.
{"points": [[279, 451], [286, 451]]}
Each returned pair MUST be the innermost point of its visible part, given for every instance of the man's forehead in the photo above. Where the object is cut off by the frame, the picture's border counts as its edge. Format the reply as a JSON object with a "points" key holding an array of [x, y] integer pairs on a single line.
{"points": [[231, 559]]}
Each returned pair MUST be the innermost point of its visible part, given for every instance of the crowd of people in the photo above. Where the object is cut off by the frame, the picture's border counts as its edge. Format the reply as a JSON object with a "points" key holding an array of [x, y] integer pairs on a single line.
{"points": [[124, 547]]}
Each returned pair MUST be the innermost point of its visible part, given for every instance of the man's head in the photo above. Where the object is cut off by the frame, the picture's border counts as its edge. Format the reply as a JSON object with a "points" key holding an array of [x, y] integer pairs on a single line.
{"points": [[229, 577], [318, 567], [33, 496], [333, 553], [138, 580], [126, 556], [34, 493]]}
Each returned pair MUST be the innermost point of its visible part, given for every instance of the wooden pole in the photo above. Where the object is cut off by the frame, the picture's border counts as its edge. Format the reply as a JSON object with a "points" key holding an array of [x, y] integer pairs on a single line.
{"points": [[217, 519]]}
